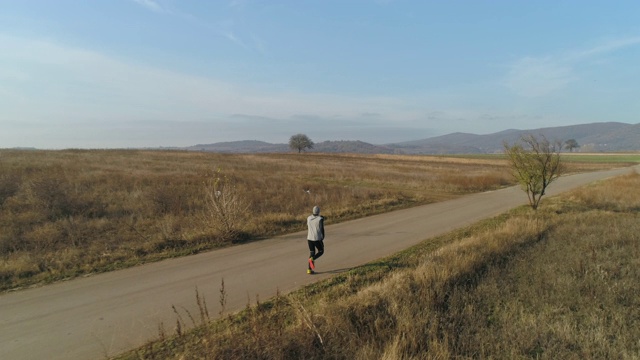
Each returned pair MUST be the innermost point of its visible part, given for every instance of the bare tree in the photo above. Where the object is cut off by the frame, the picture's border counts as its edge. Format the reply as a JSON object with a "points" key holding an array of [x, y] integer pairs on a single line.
{"points": [[535, 163], [571, 144], [300, 142]]}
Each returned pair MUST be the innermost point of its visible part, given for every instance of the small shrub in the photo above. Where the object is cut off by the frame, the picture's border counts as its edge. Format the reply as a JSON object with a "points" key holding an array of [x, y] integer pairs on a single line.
{"points": [[9, 186], [225, 207]]}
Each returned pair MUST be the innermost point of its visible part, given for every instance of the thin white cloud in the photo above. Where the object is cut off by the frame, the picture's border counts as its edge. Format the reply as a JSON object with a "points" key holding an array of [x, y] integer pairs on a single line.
{"points": [[607, 47], [108, 100], [231, 36], [541, 76], [83, 84], [151, 5], [534, 77], [237, 3], [223, 28]]}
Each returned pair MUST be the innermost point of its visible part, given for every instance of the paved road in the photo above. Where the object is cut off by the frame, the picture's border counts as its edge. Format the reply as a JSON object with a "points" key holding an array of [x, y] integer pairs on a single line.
{"points": [[106, 314]]}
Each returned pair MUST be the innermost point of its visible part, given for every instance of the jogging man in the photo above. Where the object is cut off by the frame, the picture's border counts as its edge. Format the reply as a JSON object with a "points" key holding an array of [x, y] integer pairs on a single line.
{"points": [[315, 238]]}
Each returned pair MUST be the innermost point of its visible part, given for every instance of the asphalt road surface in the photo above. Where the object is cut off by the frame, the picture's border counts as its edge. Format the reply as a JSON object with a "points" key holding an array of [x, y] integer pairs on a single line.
{"points": [[106, 314]]}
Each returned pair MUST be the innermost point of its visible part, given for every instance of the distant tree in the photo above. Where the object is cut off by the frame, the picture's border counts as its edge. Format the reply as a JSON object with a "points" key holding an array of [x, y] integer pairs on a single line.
{"points": [[571, 144], [300, 142], [535, 163]]}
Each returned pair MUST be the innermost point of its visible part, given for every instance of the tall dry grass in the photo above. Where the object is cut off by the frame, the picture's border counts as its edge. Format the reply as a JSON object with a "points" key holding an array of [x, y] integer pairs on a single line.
{"points": [[559, 283]]}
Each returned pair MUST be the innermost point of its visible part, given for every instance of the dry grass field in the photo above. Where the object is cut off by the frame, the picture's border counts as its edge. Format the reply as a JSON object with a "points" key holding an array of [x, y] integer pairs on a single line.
{"points": [[558, 283], [67, 213], [74, 212]]}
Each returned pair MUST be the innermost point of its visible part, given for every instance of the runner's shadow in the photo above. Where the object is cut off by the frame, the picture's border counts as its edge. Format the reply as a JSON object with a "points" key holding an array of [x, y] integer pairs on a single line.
{"points": [[336, 271]]}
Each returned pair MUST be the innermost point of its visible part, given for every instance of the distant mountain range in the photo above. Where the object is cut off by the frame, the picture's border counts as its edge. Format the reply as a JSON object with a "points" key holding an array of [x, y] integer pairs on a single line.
{"points": [[595, 137]]}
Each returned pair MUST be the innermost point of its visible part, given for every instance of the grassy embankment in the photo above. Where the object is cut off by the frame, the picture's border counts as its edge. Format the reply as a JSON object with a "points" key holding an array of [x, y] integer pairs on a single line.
{"points": [[559, 283]]}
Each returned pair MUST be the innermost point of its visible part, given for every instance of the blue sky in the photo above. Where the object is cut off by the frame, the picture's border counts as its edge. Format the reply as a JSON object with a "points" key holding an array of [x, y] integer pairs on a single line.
{"points": [[146, 73]]}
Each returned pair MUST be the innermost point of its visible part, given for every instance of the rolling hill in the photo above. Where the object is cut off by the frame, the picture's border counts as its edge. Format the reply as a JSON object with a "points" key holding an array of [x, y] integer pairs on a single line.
{"points": [[594, 137]]}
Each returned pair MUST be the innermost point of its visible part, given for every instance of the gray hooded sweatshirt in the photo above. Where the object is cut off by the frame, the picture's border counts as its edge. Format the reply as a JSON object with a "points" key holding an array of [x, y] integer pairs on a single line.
{"points": [[315, 223]]}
